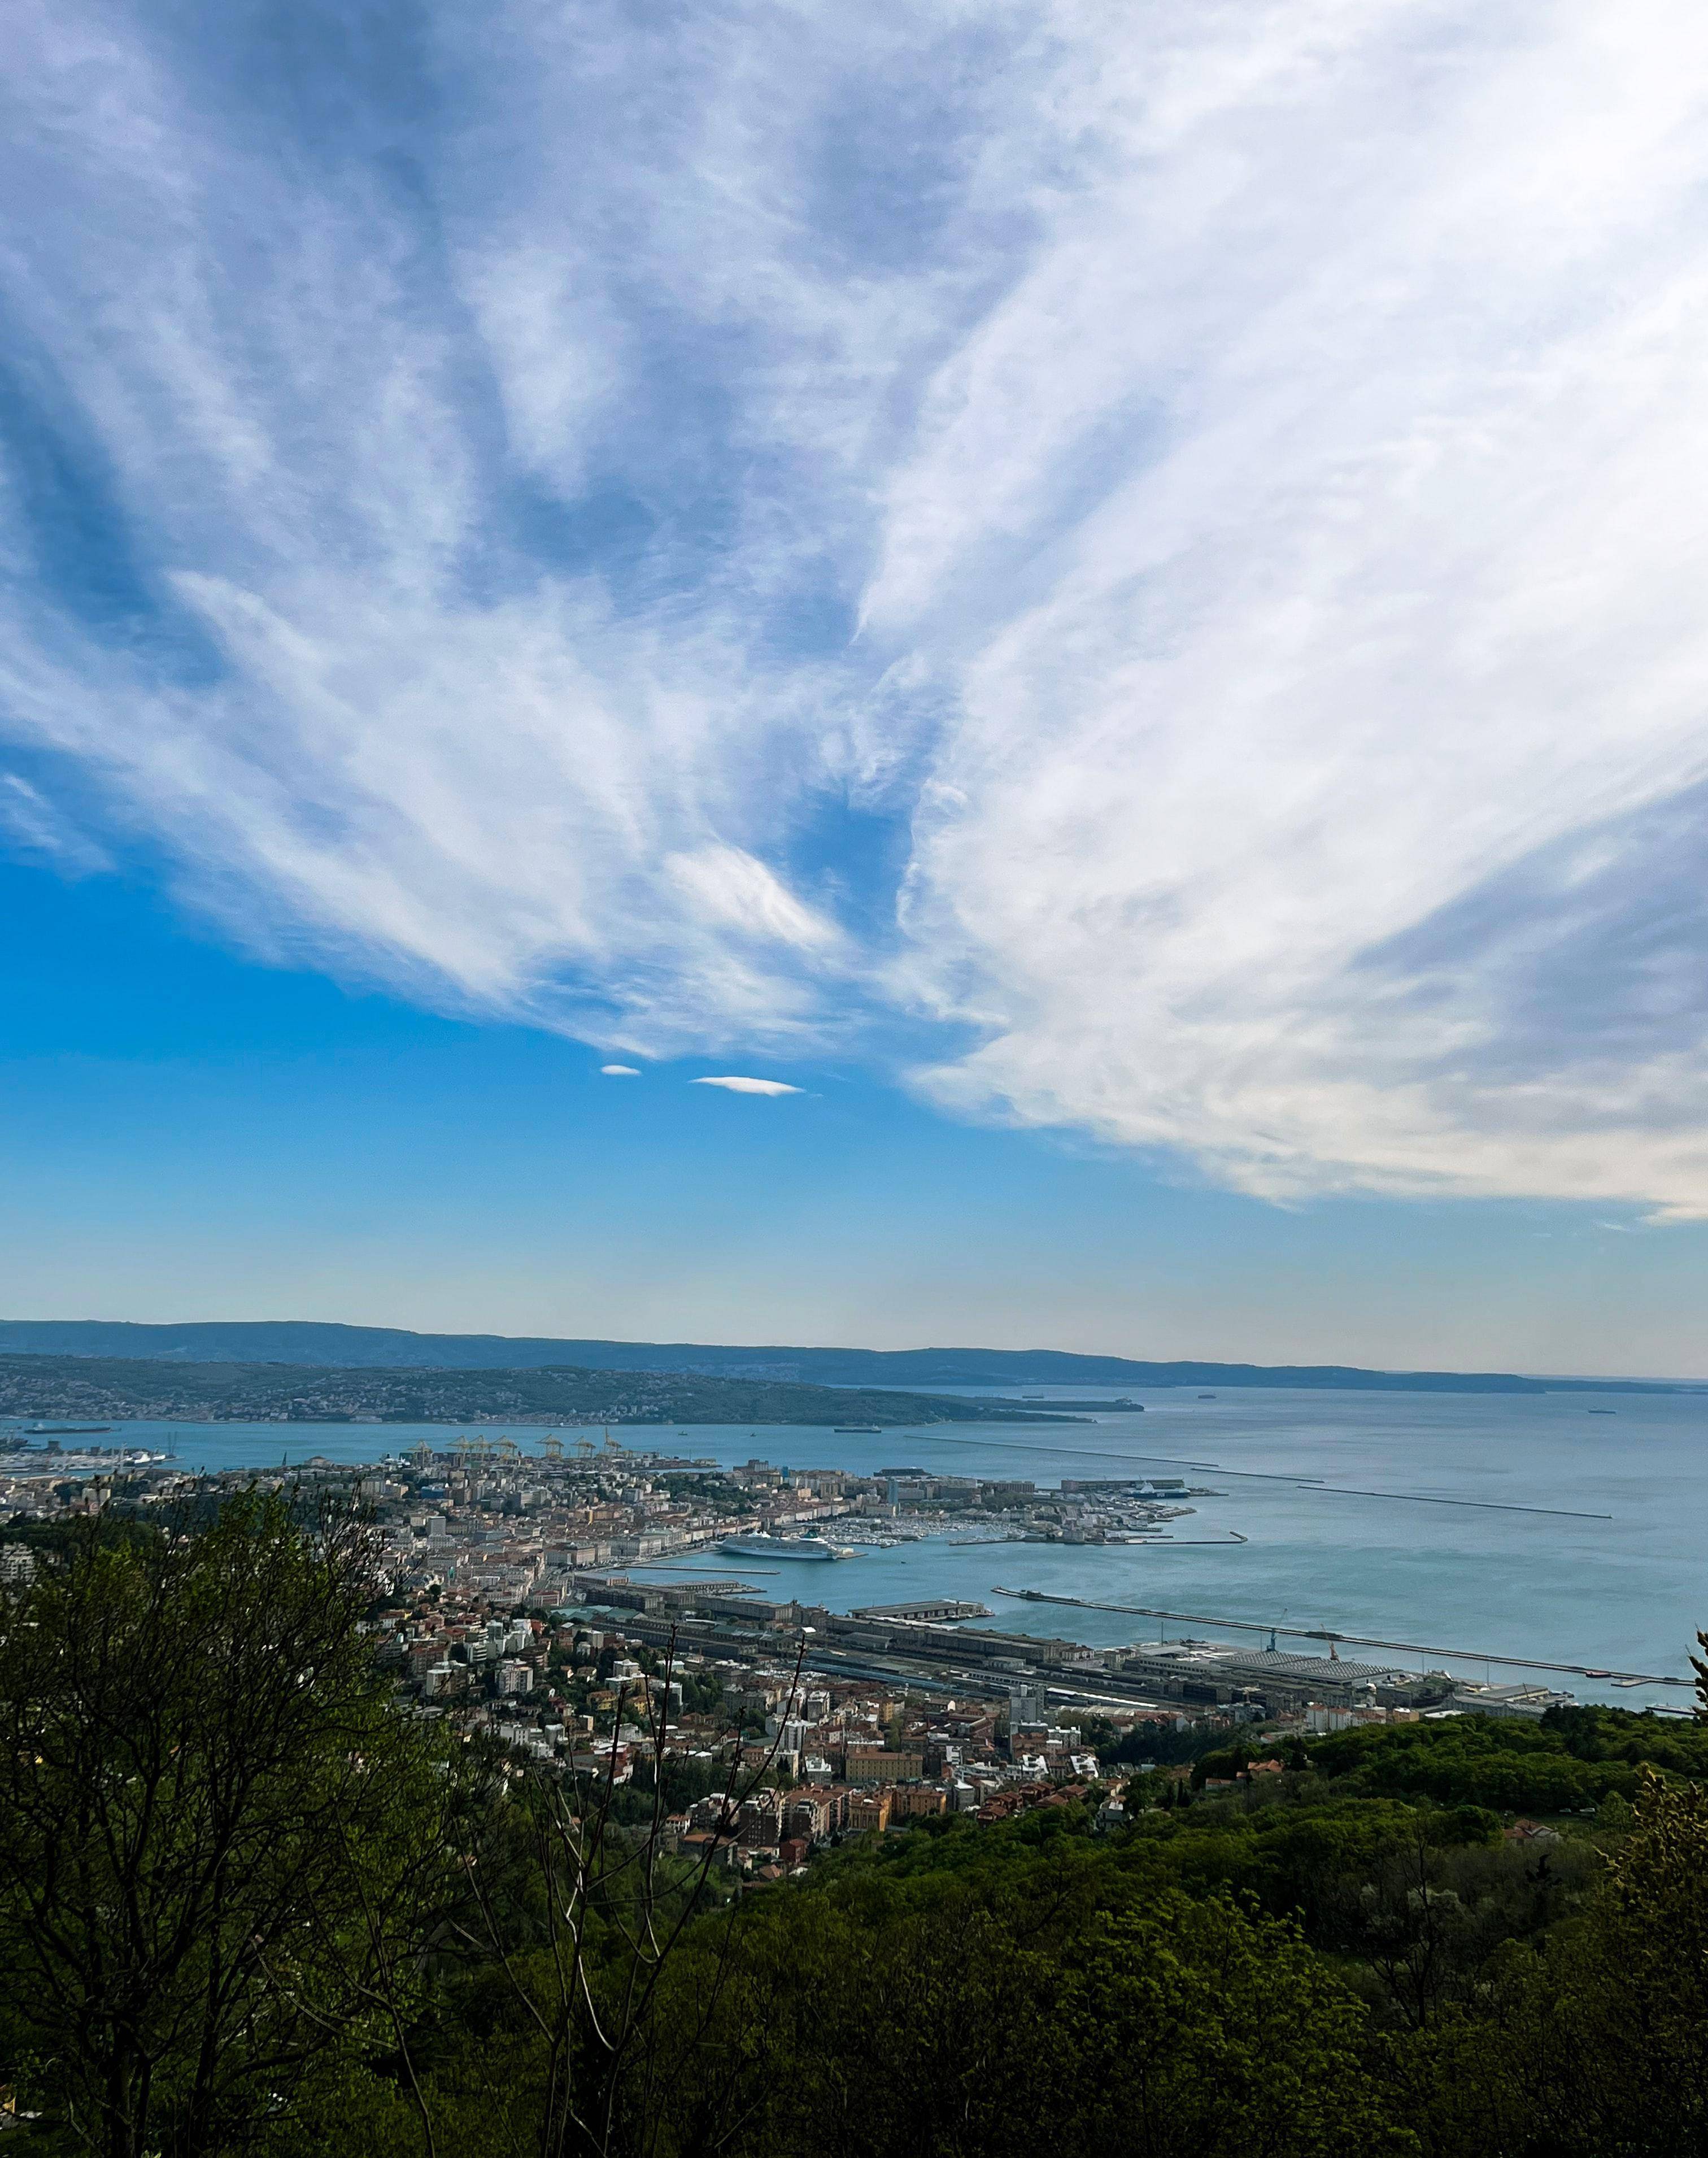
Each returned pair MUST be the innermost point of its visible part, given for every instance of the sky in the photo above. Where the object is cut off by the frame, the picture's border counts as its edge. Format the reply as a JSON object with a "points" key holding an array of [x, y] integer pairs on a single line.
{"points": [[1101, 607]]}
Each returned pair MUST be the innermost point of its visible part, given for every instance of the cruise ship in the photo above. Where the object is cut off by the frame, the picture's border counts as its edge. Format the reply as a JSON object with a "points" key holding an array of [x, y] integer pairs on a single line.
{"points": [[762, 1546]]}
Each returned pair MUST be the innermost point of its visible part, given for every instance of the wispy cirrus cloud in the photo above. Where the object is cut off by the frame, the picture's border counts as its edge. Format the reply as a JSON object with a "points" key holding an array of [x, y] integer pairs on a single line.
{"points": [[1163, 552], [37, 829]]}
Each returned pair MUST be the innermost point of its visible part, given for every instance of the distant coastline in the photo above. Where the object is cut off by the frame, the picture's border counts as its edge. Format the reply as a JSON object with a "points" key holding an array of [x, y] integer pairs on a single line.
{"points": [[125, 1389], [325, 1346]]}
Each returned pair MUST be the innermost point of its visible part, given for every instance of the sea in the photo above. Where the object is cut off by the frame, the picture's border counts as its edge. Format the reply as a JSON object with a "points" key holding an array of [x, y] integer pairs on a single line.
{"points": [[1567, 1528]]}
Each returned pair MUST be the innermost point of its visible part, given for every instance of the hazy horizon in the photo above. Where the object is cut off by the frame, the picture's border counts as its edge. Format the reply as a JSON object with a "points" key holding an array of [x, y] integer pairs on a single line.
{"points": [[777, 1345]]}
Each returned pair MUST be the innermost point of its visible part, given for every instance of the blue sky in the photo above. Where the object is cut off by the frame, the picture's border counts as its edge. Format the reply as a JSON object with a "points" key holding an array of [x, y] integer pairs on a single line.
{"points": [[1115, 601]]}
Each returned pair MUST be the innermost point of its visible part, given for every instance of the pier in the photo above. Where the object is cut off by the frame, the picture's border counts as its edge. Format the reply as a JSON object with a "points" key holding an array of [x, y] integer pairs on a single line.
{"points": [[1353, 1640], [1274, 1476]]}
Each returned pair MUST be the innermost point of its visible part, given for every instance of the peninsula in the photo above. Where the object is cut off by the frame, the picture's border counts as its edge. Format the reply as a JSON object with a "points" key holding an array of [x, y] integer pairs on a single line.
{"points": [[116, 1389]]}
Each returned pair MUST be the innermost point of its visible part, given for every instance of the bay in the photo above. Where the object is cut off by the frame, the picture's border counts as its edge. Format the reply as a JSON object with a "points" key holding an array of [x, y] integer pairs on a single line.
{"points": [[1628, 1592]]}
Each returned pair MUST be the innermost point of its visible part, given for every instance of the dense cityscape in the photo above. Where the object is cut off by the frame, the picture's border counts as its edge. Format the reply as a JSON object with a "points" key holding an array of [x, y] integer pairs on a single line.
{"points": [[528, 1597]]}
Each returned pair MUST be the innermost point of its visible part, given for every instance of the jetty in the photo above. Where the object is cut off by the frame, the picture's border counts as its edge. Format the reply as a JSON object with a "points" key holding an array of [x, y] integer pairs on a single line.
{"points": [[1353, 1640]]}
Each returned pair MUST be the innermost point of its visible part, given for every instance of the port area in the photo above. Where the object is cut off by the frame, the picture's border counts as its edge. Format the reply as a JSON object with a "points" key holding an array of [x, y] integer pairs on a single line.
{"points": [[928, 1647], [1355, 1640], [54, 1456], [946, 1611]]}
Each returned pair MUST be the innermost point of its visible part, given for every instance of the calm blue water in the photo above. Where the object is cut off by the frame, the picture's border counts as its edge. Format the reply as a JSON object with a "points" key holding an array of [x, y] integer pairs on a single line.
{"points": [[1628, 1591]]}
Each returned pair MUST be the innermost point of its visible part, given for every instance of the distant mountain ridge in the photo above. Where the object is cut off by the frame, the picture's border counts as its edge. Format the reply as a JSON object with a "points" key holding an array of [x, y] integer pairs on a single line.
{"points": [[351, 1347]]}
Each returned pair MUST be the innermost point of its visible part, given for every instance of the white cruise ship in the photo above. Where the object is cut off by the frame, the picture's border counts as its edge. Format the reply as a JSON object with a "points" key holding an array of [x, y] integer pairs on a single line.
{"points": [[762, 1546]]}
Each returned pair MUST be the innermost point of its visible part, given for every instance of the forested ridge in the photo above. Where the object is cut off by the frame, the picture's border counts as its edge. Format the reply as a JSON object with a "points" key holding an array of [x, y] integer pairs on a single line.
{"points": [[246, 1906], [119, 1387]]}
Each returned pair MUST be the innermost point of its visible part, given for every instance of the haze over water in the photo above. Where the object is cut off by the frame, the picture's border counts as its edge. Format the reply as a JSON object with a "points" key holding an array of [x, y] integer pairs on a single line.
{"points": [[1627, 1592]]}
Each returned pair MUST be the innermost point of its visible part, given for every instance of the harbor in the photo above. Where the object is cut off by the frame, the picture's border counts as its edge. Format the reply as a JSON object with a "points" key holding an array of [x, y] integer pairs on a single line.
{"points": [[1581, 1557], [1272, 1628]]}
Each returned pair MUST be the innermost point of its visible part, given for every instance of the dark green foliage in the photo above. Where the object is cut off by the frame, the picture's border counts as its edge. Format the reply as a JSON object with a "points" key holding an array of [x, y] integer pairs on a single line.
{"points": [[1596, 1733], [219, 1844], [246, 1907], [56, 1542], [1162, 1743], [1024, 2000], [1508, 1763]]}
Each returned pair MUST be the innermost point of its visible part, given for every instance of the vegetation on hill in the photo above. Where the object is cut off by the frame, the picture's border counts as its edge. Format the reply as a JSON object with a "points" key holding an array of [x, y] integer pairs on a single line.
{"points": [[112, 1389], [1571, 1761], [246, 1906]]}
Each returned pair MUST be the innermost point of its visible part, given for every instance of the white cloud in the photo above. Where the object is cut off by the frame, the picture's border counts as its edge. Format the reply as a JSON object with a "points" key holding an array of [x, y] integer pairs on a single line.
{"points": [[619, 1070], [738, 1086], [1208, 503], [1392, 603], [35, 827]]}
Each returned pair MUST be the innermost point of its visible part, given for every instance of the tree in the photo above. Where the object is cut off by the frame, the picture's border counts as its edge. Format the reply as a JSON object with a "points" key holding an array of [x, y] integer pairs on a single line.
{"points": [[219, 1842], [580, 1901], [999, 2011]]}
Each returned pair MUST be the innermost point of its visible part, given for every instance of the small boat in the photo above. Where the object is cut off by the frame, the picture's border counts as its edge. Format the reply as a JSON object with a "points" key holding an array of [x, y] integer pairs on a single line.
{"points": [[1601, 1413], [1589, 1674], [1206, 1398], [861, 1430]]}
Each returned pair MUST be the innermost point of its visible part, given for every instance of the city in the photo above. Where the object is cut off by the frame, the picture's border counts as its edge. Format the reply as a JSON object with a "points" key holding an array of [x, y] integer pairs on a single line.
{"points": [[511, 1606], [853, 1079]]}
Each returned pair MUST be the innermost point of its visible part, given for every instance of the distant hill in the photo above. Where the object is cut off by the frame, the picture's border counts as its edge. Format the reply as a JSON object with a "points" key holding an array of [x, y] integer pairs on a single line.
{"points": [[346, 1348], [116, 1388]]}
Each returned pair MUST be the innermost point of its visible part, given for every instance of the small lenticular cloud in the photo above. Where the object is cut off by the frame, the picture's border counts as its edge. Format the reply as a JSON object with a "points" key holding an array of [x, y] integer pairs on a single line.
{"points": [[620, 1071], [737, 1086]]}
